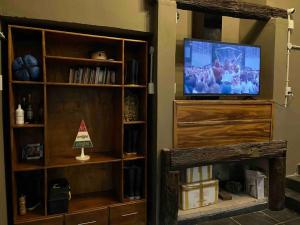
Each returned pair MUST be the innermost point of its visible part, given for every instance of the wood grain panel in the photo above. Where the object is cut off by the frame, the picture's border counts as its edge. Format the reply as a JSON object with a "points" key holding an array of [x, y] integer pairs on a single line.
{"points": [[59, 220], [96, 217], [131, 214], [209, 123], [201, 135], [216, 112]]}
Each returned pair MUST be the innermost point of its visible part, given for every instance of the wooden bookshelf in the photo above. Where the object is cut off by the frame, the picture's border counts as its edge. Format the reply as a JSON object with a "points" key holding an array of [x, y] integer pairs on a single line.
{"points": [[97, 184]]}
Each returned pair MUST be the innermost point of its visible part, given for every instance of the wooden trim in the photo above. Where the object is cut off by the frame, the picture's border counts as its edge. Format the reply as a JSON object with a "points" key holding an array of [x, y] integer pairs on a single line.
{"points": [[85, 35], [233, 8], [185, 158], [223, 102]]}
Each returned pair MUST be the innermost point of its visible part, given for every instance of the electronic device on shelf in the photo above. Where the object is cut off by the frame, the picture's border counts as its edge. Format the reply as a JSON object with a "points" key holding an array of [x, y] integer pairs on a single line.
{"points": [[218, 68], [33, 152]]}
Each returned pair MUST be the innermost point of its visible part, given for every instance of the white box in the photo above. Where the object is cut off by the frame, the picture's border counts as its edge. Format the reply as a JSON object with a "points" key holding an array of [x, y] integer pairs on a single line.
{"points": [[255, 184], [199, 174], [199, 194]]}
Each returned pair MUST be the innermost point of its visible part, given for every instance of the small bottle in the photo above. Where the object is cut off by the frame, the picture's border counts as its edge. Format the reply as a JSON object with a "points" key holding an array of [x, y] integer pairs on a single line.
{"points": [[22, 205], [24, 106], [29, 111], [19, 115]]}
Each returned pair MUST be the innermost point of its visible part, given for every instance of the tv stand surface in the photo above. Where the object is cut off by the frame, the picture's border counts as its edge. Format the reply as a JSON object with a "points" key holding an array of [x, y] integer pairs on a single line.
{"points": [[204, 98]]}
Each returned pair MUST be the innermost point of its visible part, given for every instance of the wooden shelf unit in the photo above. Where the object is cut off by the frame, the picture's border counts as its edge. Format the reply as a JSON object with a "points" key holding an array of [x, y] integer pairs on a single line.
{"points": [[99, 182]]}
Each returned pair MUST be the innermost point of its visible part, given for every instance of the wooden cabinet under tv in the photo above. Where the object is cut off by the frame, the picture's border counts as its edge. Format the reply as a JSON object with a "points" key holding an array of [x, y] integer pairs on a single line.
{"points": [[97, 185]]}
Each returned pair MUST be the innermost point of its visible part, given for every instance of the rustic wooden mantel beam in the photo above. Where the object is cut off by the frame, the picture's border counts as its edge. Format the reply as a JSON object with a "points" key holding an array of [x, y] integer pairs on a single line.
{"points": [[233, 8], [185, 158]]}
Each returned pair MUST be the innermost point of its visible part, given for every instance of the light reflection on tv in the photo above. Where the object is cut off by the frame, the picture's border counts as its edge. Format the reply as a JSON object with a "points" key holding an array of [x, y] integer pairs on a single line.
{"points": [[220, 69]]}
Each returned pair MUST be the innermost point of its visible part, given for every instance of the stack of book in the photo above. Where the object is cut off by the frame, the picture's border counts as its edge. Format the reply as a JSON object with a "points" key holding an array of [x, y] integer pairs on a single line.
{"points": [[131, 141], [133, 180], [87, 75]]}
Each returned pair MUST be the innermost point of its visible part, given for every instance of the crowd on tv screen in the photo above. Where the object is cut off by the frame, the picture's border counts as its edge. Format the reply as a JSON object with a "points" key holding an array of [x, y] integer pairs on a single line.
{"points": [[221, 78]]}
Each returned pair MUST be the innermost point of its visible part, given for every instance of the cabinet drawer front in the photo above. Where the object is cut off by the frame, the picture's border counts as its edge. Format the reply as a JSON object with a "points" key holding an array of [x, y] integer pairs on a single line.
{"points": [[131, 214], [97, 217], [50, 221]]}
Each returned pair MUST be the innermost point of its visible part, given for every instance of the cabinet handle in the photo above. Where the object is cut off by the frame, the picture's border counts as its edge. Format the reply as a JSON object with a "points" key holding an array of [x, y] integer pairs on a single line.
{"points": [[130, 214], [91, 222]]}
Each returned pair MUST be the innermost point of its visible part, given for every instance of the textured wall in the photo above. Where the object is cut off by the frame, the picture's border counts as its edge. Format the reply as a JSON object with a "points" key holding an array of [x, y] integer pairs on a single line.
{"points": [[166, 45], [287, 123], [125, 14], [183, 30]]}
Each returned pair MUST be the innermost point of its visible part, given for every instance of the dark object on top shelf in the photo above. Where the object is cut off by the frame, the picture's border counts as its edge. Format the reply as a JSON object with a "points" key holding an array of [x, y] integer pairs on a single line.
{"points": [[99, 55], [59, 194], [132, 71], [26, 68], [233, 8]]}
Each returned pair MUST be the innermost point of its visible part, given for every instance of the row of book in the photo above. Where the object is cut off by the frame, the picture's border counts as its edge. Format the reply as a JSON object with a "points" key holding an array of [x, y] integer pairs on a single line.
{"points": [[87, 75], [133, 182]]}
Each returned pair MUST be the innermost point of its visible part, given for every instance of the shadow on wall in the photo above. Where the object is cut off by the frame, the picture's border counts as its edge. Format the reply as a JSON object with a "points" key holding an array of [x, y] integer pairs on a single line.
{"points": [[252, 35]]}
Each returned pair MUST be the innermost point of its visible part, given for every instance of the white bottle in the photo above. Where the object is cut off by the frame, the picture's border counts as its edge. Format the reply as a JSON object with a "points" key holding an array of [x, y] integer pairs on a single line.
{"points": [[19, 115]]}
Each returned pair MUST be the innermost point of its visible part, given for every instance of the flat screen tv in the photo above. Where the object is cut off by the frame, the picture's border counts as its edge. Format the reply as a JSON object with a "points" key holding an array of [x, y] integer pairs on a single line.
{"points": [[217, 68]]}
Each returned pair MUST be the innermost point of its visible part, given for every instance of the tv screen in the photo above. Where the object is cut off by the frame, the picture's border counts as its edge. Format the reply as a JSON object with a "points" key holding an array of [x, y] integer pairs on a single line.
{"points": [[215, 68]]}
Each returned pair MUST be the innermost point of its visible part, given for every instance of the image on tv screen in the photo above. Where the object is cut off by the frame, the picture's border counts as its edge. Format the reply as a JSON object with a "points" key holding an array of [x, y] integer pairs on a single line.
{"points": [[219, 68]]}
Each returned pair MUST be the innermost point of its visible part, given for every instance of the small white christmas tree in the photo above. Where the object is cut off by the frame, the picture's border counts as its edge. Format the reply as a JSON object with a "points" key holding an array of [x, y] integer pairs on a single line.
{"points": [[82, 141]]}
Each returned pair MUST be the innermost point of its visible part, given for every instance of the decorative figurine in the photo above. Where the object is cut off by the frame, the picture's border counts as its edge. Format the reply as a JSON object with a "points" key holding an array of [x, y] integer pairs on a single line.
{"points": [[131, 111], [82, 141], [22, 205]]}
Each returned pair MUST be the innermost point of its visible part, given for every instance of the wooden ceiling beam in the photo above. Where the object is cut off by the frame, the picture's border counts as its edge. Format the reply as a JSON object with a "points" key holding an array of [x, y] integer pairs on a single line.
{"points": [[233, 8]]}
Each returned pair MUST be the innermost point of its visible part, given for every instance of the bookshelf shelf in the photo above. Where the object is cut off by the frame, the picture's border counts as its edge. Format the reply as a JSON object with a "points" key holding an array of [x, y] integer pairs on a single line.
{"points": [[88, 201], [27, 126], [134, 86], [133, 157], [134, 122], [36, 214], [84, 85], [27, 82], [83, 61], [72, 88], [67, 160], [19, 167]]}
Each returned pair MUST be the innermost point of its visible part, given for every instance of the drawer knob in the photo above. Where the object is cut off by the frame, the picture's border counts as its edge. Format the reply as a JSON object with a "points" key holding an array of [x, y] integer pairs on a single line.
{"points": [[90, 222], [130, 214]]}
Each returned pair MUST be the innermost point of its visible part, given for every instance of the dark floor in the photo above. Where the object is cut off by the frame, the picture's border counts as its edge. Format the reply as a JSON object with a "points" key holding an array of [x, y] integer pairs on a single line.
{"points": [[265, 217]]}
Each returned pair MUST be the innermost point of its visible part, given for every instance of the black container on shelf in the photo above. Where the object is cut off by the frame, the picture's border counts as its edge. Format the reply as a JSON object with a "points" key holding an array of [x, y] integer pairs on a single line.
{"points": [[59, 194]]}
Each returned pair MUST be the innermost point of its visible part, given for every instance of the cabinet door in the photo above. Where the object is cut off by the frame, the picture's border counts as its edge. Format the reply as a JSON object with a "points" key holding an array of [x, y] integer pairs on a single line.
{"points": [[96, 217], [131, 214], [51, 221]]}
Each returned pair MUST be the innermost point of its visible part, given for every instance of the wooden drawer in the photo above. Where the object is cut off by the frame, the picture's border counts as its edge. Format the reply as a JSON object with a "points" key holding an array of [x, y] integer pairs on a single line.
{"points": [[96, 217], [51, 221], [222, 111], [131, 214]]}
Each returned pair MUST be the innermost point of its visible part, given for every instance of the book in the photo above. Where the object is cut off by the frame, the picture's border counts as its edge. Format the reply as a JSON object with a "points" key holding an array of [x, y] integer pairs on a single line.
{"points": [[113, 77], [80, 75], [101, 76], [92, 77], [97, 75], [138, 182], [85, 75], [104, 75], [129, 177], [76, 75], [71, 75]]}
